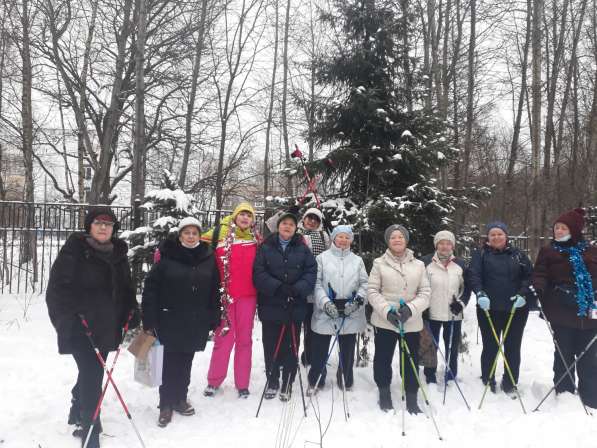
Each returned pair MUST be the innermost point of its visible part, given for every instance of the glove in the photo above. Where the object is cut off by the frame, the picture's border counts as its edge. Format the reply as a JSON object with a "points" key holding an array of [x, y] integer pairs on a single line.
{"points": [[393, 316], [426, 314], [286, 290], [404, 313], [518, 300], [483, 301], [330, 309], [352, 305], [456, 307]]}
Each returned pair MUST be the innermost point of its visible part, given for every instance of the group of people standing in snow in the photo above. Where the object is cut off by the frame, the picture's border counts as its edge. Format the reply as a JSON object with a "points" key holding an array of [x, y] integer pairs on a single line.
{"points": [[302, 277]]}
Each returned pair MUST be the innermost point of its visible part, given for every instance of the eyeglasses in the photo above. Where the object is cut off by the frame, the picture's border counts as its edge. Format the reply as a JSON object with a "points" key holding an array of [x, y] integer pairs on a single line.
{"points": [[103, 223], [312, 218]]}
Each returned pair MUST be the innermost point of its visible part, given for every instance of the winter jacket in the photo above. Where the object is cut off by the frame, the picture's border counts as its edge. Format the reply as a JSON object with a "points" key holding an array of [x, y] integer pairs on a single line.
{"points": [[553, 268], [447, 283], [391, 280], [273, 266], [96, 285], [306, 233], [242, 255], [501, 274], [181, 297], [346, 274]]}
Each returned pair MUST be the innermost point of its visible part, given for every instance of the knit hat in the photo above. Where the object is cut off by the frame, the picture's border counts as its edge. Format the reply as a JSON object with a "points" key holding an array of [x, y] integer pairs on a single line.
{"points": [[287, 215], [444, 235], [189, 221], [243, 207], [342, 229], [314, 211], [388, 233], [575, 220], [496, 225], [105, 212]]}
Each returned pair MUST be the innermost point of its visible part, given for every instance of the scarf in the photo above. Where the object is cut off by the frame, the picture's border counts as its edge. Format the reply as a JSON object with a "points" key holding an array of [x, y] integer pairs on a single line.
{"points": [[317, 241], [104, 248], [585, 296]]}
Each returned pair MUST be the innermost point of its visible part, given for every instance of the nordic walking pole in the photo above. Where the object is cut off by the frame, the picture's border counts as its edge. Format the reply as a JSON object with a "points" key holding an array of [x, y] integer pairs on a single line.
{"points": [[416, 373], [101, 398], [573, 365], [100, 358], [269, 374], [448, 360], [557, 345], [402, 387], [495, 360], [497, 339], [298, 367], [340, 365], [330, 351], [450, 370]]}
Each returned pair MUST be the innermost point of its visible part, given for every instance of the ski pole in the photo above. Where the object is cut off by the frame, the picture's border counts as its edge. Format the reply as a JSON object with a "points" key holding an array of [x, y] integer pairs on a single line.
{"points": [[436, 343], [341, 367], [557, 345], [573, 365], [269, 374], [448, 360], [101, 360], [416, 373], [298, 367], [501, 351]]}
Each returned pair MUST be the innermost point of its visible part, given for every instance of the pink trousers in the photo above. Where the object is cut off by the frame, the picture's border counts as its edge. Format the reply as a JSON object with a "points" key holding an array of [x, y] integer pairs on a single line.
{"points": [[242, 315]]}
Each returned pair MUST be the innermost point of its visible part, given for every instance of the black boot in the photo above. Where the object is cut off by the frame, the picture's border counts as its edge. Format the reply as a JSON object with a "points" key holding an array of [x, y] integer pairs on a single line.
{"points": [[81, 432], [411, 403], [385, 399], [93, 438], [492, 385], [430, 377]]}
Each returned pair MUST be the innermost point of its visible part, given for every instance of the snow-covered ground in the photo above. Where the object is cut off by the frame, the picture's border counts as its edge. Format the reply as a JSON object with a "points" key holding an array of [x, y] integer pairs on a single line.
{"points": [[35, 385]]}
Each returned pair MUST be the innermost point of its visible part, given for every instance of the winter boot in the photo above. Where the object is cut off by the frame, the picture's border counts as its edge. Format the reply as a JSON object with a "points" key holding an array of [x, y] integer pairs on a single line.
{"points": [[430, 377], [411, 403], [183, 407], [286, 393], [243, 393], [81, 432], [165, 416], [271, 391], [385, 399], [93, 438], [492, 385], [210, 391]]}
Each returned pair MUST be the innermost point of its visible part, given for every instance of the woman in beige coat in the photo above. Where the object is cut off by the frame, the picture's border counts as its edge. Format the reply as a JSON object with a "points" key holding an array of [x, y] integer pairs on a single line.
{"points": [[396, 276]]}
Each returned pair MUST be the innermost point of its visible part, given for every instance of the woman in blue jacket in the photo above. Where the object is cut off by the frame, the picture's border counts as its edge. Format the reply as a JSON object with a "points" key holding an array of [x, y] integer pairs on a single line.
{"points": [[500, 276], [284, 274]]}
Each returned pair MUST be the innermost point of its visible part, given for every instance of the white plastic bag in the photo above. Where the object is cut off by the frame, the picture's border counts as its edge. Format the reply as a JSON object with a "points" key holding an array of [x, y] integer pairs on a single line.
{"points": [[148, 371]]}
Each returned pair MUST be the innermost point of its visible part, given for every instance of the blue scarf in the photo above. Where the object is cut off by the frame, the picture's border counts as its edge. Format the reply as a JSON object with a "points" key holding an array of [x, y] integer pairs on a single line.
{"points": [[585, 295]]}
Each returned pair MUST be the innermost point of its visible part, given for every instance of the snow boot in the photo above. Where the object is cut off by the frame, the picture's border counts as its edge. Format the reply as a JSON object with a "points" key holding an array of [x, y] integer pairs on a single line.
{"points": [[165, 416], [210, 391], [78, 432], [286, 393], [385, 399], [183, 407], [243, 393], [411, 403], [430, 378], [492, 385], [271, 391]]}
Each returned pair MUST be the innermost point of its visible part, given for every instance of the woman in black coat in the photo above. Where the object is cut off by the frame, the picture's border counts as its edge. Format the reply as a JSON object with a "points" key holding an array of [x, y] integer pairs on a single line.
{"points": [[284, 274], [181, 305], [91, 278], [500, 275]]}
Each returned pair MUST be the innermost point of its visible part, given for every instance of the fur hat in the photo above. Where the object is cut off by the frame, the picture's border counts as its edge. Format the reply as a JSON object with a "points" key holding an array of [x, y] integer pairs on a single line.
{"points": [[575, 220]]}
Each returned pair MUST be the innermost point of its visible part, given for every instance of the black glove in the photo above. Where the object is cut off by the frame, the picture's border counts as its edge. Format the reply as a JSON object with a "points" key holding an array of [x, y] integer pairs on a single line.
{"points": [[456, 307], [285, 290], [404, 313], [393, 317], [426, 314]]}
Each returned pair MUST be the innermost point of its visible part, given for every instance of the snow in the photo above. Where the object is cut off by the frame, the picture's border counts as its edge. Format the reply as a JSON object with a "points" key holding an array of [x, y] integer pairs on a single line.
{"points": [[36, 384], [180, 198], [406, 134]]}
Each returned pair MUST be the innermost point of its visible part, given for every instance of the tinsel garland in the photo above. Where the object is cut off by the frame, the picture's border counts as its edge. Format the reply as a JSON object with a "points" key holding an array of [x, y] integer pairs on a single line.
{"points": [[585, 296], [225, 298]]}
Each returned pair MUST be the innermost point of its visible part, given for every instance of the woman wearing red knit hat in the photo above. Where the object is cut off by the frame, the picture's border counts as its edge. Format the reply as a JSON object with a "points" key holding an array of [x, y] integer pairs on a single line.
{"points": [[565, 277]]}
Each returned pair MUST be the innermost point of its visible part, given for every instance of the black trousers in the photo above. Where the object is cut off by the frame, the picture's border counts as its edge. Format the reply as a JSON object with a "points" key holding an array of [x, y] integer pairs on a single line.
{"points": [[385, 345], [436, 326], [319, 353], [88, 387], [511, 345], [572, 342], [307, 335], [176, 377], [286, 357]]}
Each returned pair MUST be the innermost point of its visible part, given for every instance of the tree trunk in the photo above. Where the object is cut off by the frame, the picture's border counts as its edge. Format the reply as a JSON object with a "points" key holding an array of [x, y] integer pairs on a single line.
{"points": [[470, 100], [270, 111], [138, 173], [191, 103], [406, 57], [289, 186]]}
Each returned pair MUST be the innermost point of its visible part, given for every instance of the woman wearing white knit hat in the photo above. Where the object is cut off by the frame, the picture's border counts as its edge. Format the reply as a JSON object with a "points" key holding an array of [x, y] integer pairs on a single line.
{"points": [[450, 293]]}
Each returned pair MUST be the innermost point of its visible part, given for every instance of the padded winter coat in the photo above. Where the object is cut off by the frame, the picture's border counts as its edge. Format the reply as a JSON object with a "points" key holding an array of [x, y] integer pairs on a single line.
{"points": [[391, 280], [345, 272], [501, 274], [553, 268], [98, 286], [273, 266], [447, 283], [181, 299]]}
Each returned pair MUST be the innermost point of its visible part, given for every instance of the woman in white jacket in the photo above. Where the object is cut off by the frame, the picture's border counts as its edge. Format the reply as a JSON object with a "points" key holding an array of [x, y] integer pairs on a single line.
{"points": [[397, 275], [339, 308]]}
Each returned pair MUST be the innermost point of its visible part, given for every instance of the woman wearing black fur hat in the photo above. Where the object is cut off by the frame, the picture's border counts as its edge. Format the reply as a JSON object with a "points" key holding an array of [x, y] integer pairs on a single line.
{"points": [[91, 278]]}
